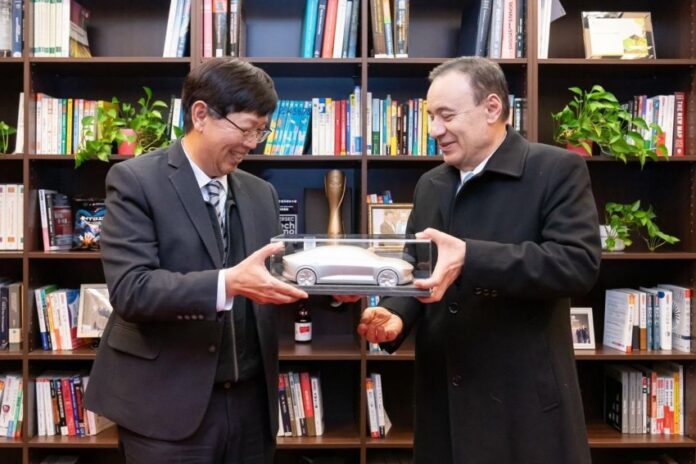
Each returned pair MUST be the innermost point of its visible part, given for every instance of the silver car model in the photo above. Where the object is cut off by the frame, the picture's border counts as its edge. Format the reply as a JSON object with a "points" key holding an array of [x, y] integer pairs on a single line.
{"points": [[345, 264]]}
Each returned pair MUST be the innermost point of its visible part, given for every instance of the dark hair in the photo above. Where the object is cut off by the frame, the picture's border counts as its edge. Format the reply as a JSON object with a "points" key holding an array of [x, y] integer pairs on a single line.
{"points": [[486, 77], [228, 85]]}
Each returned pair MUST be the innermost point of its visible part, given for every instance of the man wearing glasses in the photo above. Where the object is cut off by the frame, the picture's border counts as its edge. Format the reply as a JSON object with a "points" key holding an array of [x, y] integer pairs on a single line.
{"points": [[187, 366]]}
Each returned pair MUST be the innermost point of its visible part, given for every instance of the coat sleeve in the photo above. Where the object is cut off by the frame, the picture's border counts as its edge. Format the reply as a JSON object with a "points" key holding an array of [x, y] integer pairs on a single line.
{"points": [[565, 260], [140, 291]]}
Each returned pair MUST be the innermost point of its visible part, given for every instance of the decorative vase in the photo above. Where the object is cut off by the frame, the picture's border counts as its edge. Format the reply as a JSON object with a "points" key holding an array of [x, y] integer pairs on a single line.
{"points": [[604, 229], [127, 148]]}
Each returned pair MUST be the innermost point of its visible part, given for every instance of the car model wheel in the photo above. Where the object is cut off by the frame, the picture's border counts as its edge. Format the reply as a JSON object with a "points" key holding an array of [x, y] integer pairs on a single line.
{"points": [[306, 277], [387, 278]]}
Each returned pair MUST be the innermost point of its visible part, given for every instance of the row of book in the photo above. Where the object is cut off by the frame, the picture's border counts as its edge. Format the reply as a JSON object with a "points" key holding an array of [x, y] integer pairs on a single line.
{"points": [[645, 400], [60, 29], [11, 404], [377, 417], [223, 26], [11, 25], [389, 37], [399, 128], [69, 317], [493, 28], [59, 406], [11, 217], [335, 127], [386, 198], [176, 35], [649, 318], [11, 298], [330, 29], [300, 405], [668, 112]]}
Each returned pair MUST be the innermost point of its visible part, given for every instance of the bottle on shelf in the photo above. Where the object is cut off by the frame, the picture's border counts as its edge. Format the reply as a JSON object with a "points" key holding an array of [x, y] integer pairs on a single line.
{"points": [[303, 325]]}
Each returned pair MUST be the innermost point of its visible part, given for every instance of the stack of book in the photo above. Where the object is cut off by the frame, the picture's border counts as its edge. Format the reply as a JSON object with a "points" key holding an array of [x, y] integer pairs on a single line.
{"points": [[11, 217], [300, 405], [389, 22], [59, 406], [378, 420], [330, 29], [11, 405]]}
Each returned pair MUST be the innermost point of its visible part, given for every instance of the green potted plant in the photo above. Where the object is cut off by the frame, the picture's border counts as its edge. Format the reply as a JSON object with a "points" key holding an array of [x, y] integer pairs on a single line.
{"points": [[5, 131], [598, 117], [621, 220], [133, 130]]}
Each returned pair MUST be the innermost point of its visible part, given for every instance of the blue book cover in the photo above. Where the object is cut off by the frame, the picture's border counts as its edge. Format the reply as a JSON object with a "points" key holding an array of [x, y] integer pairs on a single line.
{"points": [[310, 28]]}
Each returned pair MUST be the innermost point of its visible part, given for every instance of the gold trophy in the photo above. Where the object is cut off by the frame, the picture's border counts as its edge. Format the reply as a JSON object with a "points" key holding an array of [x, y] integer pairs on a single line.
{"points": [[335, 189]]}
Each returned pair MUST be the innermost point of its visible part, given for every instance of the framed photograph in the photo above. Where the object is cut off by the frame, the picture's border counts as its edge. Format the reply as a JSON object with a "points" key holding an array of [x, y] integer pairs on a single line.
{"points": [[626, 35], [582, 327], [388, 219], [94, 311]]}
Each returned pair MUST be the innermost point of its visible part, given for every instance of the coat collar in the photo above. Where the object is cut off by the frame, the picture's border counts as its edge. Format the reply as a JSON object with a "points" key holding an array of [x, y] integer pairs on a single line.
{"points": [[508, 159]]}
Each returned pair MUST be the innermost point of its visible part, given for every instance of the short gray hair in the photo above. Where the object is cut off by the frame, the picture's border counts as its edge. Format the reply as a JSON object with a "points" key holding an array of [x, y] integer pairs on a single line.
{"points": [[486, 77]]}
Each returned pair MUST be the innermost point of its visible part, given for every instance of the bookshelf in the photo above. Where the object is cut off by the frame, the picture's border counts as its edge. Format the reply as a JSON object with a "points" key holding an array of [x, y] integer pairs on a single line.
{"points": [[127, 37]]}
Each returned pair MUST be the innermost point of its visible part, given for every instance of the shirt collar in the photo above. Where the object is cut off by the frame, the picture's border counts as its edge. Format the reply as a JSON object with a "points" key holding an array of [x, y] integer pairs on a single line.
{"points": [[466, 175], [201, 177]]}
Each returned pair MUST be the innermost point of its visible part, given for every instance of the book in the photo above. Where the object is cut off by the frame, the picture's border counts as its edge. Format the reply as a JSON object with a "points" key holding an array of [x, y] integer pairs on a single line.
{"points": [[79, 42]]}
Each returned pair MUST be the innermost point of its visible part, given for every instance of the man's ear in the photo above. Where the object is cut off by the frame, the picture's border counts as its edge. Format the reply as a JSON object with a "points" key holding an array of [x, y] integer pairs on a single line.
{"points": [[199, 114], [494, 108]]}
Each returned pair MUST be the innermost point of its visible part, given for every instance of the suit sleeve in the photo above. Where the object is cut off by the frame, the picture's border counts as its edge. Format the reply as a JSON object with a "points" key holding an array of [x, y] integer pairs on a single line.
{"points": [[565, 260], [139, 289]]}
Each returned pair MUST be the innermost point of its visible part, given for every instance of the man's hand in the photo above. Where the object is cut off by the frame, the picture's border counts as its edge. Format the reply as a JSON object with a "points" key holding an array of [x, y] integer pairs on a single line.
{"points": [[379, 325], [450, 259], [251, 279]]}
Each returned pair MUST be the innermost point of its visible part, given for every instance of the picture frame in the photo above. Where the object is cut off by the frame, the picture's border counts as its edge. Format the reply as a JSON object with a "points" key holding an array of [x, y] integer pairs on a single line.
{"points": [[388, 218], [94, 310], [625, 35], [582, 328]]}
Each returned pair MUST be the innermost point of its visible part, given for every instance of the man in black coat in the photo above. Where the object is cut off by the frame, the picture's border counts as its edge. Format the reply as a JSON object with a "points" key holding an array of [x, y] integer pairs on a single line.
{"points": [[188, 362], [516, 231]]}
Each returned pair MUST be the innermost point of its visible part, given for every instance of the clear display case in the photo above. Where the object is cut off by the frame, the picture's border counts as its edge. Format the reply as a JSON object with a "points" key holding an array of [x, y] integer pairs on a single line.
{"points": [[354, 264]]}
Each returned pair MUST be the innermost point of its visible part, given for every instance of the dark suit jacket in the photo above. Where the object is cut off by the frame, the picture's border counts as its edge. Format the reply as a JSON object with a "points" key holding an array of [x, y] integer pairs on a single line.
{"points": [[495, 369], [156, 363]]}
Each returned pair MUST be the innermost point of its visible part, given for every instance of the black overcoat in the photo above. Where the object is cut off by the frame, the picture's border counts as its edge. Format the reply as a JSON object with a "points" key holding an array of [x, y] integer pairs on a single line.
{"points": [[495, 373]]}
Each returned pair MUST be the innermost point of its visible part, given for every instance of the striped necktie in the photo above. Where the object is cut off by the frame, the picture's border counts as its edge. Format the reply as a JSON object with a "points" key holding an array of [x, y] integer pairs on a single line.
{"points": [[214, 188]]}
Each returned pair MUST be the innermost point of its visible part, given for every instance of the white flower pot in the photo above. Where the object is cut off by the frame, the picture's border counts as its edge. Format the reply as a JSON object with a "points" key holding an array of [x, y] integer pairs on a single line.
{"points": [[603, 232]]}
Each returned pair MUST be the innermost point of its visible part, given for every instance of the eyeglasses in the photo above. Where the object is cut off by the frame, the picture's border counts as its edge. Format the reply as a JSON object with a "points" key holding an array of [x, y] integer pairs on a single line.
{"points": [[256, 135]]}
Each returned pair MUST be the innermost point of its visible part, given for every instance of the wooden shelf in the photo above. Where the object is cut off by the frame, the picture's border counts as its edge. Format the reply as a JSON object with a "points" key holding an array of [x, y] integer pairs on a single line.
{"points": [[71, 158], [649, 256], [610, 62], [396, 438], [322, 348], [111, 60], [311, 159], [11, 355], [608, 354], [106, 439], [64, 255], [601, 435], [11, 157], [11, 254], [84, 353], [342, 437], [11, 442]]}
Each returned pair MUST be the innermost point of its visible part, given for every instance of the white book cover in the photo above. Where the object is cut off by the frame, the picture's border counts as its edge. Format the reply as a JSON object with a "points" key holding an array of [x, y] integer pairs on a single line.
{"points": [[681, 316], [19, 136], [318, 405], [617, 321], [371, 408]]}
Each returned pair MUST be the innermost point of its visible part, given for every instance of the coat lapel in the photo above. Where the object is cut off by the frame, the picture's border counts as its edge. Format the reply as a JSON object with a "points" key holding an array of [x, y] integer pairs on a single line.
{"points": [[189, 194], [246, 212], [446, 183]]}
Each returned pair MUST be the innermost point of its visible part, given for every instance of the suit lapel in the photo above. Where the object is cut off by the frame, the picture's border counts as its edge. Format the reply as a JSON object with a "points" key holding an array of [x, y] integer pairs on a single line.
{"points": [[246, 213], [189, 194]]}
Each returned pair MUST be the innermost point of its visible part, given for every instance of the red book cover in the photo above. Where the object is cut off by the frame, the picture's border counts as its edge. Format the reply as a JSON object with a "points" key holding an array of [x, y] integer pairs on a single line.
{"points": [[306, 386], [329, 29]]}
